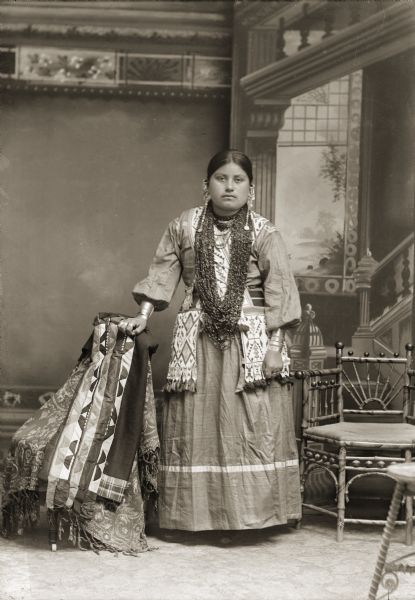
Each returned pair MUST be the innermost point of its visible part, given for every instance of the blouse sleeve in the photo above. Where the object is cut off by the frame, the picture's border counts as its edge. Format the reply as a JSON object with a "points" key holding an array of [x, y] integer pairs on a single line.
{"points": [[164, 273], [282, 300]]}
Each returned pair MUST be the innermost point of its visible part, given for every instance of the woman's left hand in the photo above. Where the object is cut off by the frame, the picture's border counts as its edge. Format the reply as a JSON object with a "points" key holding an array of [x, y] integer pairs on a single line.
{"points": [[272, 364]]}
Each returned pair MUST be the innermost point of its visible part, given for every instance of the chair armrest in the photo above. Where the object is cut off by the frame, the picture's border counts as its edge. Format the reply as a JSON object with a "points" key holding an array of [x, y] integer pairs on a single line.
{"points": [[308, 373], [319, 395]]}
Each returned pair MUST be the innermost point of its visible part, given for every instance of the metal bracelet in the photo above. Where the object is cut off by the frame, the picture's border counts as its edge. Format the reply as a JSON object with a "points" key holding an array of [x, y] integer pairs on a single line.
{"points": [[277, 340], [146, 310]]}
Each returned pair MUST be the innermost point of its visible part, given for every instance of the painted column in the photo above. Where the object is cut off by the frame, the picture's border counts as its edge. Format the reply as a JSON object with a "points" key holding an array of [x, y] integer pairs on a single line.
{"points": [[362, 340], [264, 121]]}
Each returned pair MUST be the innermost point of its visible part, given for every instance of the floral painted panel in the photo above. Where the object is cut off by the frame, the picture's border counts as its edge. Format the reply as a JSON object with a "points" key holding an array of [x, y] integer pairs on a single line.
{"points": [[72, 67], [210, 71], [67, 66]]}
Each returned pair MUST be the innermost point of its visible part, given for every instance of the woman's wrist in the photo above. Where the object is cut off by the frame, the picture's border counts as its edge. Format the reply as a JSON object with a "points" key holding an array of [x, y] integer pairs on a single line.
{"points": [[146, 310]]}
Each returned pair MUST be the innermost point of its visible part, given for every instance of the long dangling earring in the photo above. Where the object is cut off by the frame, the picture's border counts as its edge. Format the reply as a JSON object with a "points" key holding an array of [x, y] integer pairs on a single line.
{"points": [[251, 197], [251, 200], [206, 197], [205, 190]]}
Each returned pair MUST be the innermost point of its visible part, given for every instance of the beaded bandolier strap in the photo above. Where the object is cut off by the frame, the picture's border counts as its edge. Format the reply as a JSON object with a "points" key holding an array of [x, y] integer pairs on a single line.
{"points": [[182, 371]]}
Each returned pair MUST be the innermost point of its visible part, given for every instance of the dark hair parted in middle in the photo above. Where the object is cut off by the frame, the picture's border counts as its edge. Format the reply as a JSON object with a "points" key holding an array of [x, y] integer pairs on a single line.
{"points": [[228, 156]]}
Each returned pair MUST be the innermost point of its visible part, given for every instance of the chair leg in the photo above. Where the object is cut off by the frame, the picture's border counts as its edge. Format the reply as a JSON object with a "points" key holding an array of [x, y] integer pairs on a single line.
{"points": [[386, 538], [409, 516], [302, 482], [341, 494], [409, 509], [53, 529]]}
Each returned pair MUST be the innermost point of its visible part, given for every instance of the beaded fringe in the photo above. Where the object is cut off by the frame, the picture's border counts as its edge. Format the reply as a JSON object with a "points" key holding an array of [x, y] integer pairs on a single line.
{"points": [[263, 383], [180, 385]]}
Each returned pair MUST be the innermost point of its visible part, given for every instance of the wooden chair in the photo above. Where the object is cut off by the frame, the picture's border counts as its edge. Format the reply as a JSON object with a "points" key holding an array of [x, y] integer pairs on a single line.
{"points": [[358, 419]]}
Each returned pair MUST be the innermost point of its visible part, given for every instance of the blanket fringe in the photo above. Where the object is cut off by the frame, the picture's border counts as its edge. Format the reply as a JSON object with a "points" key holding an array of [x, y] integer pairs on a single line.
{"points": [[75, 528], [148, 468], [23, 510]]}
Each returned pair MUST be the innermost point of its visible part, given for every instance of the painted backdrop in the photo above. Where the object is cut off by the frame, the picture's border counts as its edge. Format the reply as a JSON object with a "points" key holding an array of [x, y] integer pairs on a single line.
{"points": [[87, 188]]}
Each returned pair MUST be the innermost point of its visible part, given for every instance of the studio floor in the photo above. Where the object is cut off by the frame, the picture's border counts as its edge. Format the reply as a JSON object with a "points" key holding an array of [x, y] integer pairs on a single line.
{"points": [[280, 563]]}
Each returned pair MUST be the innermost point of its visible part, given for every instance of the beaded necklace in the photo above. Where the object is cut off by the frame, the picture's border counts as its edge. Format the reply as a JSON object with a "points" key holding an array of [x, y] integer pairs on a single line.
{"points": [[223, 222], [221, 315]]}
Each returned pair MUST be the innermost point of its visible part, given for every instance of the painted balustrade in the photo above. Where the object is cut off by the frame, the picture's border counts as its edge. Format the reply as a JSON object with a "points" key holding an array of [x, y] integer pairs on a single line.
{"points": [[393, 279], [288, 28]]}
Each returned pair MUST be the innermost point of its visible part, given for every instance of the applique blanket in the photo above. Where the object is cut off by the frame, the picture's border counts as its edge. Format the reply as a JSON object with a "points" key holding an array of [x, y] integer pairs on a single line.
{"points": [[93, 452]]}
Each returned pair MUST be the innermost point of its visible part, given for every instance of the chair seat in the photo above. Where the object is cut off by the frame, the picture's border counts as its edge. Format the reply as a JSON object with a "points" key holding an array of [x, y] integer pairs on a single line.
{"points": [[348, 433], [405, 473]]}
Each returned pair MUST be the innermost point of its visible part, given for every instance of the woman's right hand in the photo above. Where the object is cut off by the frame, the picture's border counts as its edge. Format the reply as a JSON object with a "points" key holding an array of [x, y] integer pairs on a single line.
{"points": [[133, 325]]}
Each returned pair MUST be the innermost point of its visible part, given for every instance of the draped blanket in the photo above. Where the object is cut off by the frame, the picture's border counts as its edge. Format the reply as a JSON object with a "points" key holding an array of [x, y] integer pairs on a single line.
{"points": [[94, 450], [94, 442]]}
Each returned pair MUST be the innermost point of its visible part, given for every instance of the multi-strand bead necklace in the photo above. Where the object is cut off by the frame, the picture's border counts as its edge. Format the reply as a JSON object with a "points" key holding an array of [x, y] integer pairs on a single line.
{"points": [[221, 315]]}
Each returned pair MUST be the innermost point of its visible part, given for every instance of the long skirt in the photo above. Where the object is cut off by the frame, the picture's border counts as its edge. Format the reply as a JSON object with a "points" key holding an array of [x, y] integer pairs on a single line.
{"points": [[228, 458]]}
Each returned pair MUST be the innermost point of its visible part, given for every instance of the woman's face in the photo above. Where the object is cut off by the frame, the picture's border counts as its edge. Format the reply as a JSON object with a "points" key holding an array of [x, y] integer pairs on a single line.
{"points": [[229, 189]]}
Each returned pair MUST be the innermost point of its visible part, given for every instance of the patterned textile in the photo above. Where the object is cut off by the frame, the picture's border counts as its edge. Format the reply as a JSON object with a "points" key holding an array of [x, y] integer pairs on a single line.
{"points": [[76, 438], [254, 346], [26, 453], [112, 488], [81, 463], [122, 527], [121, 530], [182, 371], [228, 459], [254, 339]]}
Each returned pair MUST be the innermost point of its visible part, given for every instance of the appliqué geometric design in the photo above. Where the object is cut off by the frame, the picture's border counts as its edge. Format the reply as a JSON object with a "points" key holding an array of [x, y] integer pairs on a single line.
{"points": [[182, 371], [254, 345]]}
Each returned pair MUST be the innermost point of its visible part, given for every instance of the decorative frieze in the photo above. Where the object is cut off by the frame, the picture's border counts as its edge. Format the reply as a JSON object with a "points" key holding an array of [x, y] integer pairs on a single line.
{"points": [[112, 92], [86, 32], [70, 70]]}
